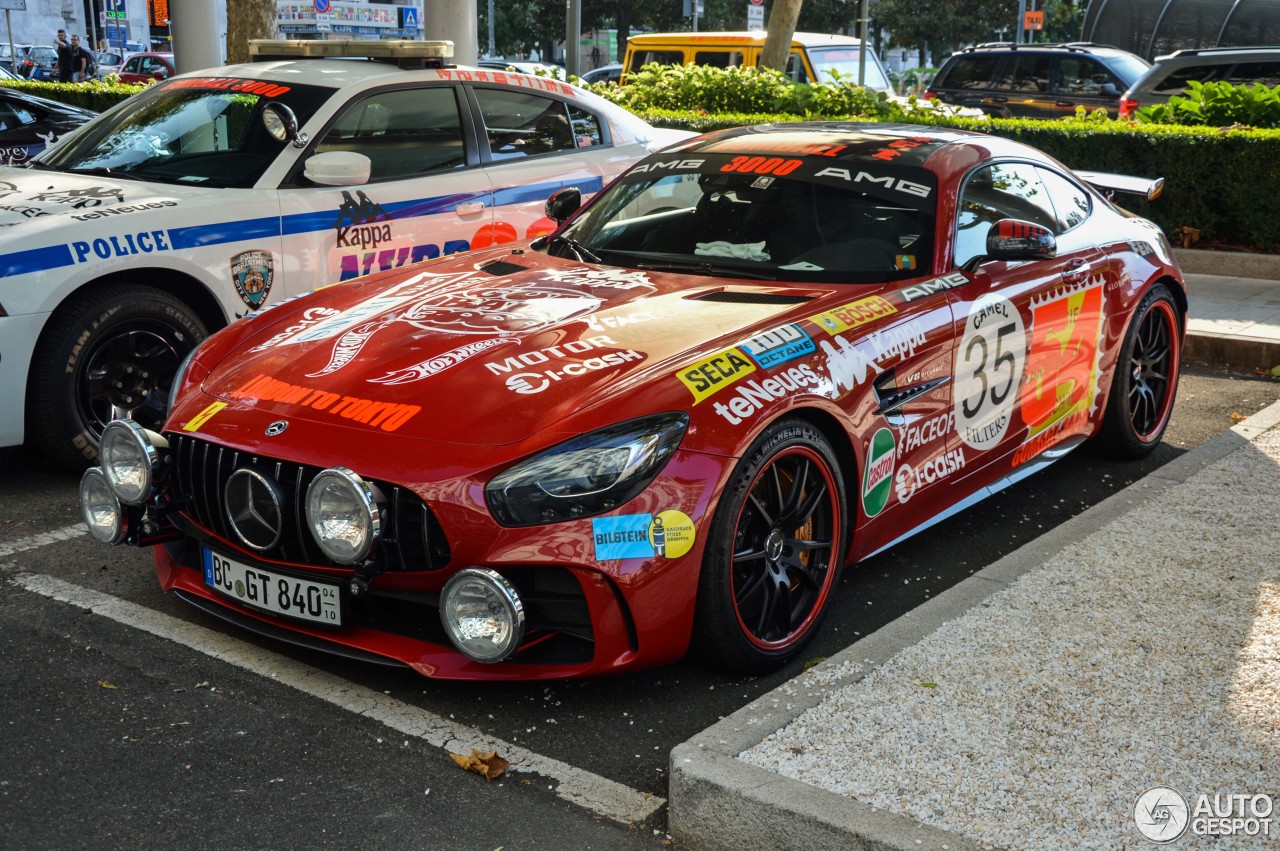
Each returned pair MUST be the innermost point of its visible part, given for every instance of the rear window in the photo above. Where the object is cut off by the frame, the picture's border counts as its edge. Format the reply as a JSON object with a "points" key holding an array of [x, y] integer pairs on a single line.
{"points": [[966, 72], [1024, 73], [1176, 82], [1265, 72]]}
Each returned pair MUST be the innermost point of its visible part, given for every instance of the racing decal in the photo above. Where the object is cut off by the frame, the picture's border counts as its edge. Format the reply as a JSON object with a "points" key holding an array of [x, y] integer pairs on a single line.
{"points": [[123, 245], [853, 314], [310, 317], [25, 211], [920, 434], [667, 165], [611, 322], [264, 88], [1074, 424], [989, 364], [253, 272], [877, 479], [848, 365], [751, 396], [388, 416], [761, 165], [669, 534], [714, 373], [908, 479], [906, 295], [361, 223], [121, 210], [782, 144], [89, 196], [508, 78], [885, 181], [536, 382], [204, 416], [439, 363], [897, 341], [904, 262], [528, 383], [21, 153], [898, 147], [613, 278], [779, 345]]}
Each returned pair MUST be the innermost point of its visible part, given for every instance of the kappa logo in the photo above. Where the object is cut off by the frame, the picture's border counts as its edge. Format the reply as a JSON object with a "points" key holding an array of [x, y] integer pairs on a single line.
{"points": [[361, 216]]}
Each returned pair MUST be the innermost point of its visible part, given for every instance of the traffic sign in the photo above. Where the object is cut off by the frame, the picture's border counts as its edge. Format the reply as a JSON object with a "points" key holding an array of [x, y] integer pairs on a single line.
{"points": [[323, 6], [114, 9], [13, 5], [1034, 21]]}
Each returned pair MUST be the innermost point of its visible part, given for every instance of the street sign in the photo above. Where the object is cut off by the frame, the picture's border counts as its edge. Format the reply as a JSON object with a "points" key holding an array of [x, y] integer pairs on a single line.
{"points": [[114, 9], [755, 18], [13, 5], [1034, 21], [323, 6]]}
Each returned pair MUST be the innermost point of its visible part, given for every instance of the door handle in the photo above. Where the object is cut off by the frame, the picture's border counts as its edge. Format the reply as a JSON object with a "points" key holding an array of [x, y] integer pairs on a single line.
{"points": [[470, 208], [1076, 270]]}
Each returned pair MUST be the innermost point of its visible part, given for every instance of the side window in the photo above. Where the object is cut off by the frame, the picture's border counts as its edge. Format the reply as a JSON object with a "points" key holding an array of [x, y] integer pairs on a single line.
{"points": [[1000, 191], [13, 115], [718, 58], [404, 133], [1024, 74], [523, 125], [795, 69], [969, 72], [1176, 82], [1071, 203], [1248, 73], [1080, 75], [586, 128], [132, 65], [642, 58]]}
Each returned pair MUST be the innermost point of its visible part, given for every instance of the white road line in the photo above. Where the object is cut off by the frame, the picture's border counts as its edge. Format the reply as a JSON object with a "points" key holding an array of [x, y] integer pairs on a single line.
{"points": [[598, 794], [66, 533]]}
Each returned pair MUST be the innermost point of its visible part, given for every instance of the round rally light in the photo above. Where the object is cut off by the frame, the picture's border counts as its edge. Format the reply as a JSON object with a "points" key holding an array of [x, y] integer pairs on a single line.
{"points": [[482, 614], [342, 510], [129, 461], [100, 508]]}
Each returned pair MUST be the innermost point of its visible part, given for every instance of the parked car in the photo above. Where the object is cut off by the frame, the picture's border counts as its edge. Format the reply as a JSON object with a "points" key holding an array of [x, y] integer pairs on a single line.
{"points": [[210, 194], [814, 58], [39, 63], [1241, 66], [108, 62], [29, 124], [1036, 80], [755, 358], [7, 59], [147, 68], [610, 73]]}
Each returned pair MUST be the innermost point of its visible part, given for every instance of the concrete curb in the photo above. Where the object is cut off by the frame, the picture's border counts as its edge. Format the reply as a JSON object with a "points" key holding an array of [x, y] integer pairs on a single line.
{"points": [[1235, 264], [717, 801]]}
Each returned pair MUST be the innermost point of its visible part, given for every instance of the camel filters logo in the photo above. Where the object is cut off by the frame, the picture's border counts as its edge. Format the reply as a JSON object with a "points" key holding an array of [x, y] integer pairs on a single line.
{"points": [[1164, 815], [877, 481]]}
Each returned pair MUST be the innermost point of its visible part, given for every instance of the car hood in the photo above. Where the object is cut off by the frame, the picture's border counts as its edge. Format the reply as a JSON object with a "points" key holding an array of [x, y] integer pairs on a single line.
{"points": [[28, 194], [456, 353]]}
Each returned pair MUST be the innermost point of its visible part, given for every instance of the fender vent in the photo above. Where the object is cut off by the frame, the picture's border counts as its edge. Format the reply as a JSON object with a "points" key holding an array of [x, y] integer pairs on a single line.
{"points": [[753, 298], [502, 267]]}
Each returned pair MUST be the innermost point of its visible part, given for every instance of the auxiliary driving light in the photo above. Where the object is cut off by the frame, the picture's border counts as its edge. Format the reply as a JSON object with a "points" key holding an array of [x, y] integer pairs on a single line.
{"points": [[343, 512], [483, 614], [130, 460], [101, 509]]}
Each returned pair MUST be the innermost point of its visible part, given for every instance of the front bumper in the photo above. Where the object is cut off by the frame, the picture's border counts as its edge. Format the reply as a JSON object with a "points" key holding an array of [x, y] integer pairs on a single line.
{"points": [[18, 336]]}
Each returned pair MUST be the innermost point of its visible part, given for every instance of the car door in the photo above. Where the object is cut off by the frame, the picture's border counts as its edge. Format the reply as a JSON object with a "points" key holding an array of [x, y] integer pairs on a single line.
{"points": [[1021, 87], [427, 193], [1081, 80], [1028, 332]]}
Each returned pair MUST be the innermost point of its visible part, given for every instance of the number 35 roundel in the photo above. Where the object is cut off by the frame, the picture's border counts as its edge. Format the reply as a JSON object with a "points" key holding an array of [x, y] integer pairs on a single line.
{"points": [[989, 370]]}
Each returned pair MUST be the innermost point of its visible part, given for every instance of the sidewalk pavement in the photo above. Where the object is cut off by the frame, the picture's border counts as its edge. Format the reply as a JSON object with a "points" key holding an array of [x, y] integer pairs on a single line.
{"points": [[1033, 704]]}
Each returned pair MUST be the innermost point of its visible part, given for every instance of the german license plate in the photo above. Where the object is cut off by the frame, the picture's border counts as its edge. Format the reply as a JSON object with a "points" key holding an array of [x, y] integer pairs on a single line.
{"points": [[287, 596]]}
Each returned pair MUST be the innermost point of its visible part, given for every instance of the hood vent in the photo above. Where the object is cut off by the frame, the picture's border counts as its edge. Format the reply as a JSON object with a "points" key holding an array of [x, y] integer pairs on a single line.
{"points": [[502, 267], [753, 298]]}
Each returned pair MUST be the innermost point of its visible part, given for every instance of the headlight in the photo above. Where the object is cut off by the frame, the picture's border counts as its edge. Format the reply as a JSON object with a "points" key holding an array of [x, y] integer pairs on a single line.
{"points": [[100, 508], [483, 614], [130, 460], [588, 475], [342, 509]]}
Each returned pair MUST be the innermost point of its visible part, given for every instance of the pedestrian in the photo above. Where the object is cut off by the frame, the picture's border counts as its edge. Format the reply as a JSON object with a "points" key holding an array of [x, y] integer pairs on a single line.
{"points": [[79, 61], [63, 68]]}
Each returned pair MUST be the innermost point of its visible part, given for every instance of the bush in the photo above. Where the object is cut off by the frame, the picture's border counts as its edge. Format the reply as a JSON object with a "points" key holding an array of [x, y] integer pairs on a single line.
{"points": [[98, 95], [1217, 105]]}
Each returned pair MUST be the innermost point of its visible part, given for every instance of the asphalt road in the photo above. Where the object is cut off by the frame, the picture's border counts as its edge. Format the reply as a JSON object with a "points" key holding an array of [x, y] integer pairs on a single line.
{"points": [[135, 721]]}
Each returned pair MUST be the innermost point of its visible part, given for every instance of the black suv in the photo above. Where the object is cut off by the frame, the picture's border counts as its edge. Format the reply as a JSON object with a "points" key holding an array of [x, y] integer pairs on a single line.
{"points": [[1036, 80]]}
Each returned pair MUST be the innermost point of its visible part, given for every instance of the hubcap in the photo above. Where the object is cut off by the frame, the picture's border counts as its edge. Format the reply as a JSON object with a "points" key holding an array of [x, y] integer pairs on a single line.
{"points": [[1154, 372], [128, 375]]}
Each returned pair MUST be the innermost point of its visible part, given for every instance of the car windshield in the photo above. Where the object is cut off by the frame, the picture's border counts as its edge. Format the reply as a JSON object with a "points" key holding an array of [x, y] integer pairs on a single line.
{"points": [[844, 62], [197, 131], [783, 219]]}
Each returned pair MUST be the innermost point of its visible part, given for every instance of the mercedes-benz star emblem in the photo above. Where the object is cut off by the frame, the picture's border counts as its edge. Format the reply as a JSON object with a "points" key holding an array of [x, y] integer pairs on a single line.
{"points": [[255, 508], [277, 427]]}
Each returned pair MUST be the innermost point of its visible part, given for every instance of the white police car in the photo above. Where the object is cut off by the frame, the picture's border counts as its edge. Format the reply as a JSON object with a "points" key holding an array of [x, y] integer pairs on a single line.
{"points": [[212, 194]]}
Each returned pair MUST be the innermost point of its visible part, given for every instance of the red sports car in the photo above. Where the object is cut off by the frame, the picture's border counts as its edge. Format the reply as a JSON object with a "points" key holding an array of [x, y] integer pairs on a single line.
{"points": [[757, 357]]}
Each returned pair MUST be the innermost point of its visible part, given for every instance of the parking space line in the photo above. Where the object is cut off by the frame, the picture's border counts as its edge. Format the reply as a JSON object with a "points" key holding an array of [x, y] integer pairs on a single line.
{"points": [[66, 533], [590, 791]]}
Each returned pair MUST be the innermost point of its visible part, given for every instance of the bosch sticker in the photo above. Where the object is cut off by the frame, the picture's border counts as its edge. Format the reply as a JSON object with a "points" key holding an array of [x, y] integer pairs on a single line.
{"points": [[855, 313]]}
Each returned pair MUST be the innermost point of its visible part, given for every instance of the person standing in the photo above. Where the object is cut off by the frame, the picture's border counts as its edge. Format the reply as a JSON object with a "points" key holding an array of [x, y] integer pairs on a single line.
{"points": [[79, 61], [63, 68]]}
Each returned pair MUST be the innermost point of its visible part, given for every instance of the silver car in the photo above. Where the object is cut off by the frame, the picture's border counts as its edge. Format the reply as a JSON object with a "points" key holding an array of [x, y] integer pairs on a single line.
{"points": [[1170, 74]]}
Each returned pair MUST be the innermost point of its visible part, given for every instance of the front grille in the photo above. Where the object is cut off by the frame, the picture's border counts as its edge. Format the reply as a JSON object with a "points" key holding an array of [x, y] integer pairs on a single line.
{"points": [[412, 538]]}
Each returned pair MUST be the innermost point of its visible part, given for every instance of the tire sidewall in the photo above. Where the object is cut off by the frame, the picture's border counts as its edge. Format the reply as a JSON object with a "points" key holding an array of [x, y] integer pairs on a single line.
{"points": [[1118, 432]]}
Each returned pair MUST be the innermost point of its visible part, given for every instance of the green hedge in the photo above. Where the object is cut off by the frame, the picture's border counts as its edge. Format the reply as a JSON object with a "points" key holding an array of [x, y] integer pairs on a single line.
{"points": [[98, 95], [1223, 182]]}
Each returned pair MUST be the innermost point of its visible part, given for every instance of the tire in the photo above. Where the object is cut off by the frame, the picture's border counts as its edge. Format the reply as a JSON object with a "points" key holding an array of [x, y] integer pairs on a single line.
{"points": [[1146, 379], [761, 598], [107, 354]]}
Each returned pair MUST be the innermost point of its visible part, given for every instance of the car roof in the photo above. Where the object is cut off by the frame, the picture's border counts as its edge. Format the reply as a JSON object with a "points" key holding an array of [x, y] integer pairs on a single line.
{"points": [[1227, 54], [1057, 47], [753, 37], [849, 141]]}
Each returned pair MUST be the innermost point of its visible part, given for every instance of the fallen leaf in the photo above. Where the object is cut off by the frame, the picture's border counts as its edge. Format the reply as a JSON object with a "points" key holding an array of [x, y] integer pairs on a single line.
{"points": [[485, 763], [927, 685], [105, 684], [816, 660], [1274, 372], [1237, 417]]}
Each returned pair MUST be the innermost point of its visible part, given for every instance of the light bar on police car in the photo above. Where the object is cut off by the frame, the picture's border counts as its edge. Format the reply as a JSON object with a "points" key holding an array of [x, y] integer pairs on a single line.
{"points": [[399, 49]]}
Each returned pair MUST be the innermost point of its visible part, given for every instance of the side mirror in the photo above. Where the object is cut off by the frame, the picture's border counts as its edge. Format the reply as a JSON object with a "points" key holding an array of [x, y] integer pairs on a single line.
{"points": [[338, 168], [1014, 239], [563, 203], [159, 75]]}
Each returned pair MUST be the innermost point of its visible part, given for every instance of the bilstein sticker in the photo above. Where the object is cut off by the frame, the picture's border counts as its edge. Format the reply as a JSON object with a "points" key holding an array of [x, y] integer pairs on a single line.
{"points": [[669, 534]]}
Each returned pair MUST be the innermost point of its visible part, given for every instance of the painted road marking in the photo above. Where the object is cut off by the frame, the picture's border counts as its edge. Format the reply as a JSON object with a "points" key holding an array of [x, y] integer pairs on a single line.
{"points": [[66, 533], [590, 791]]}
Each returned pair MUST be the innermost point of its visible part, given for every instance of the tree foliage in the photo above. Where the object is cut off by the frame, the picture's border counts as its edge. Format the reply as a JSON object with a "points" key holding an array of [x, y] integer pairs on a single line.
{"points": [[944, 26]]}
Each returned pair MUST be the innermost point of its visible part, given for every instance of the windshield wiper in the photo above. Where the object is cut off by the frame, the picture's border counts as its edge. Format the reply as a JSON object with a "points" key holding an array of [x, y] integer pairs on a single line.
{"points": [[102, 171], [707, 269], [579, 250]]}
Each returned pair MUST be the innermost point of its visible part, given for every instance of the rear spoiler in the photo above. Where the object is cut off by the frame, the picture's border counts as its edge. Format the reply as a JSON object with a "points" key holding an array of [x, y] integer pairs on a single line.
{"points": [[1106, 182]]}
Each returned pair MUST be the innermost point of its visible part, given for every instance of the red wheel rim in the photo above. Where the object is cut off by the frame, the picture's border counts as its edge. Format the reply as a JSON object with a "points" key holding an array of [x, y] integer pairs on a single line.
{"points": [[1153, 372], [784, 548]]}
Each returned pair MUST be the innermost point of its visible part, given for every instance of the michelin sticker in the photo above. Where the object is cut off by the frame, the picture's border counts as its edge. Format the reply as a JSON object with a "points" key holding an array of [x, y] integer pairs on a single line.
{"points": [[988, 371], [669, 534]]}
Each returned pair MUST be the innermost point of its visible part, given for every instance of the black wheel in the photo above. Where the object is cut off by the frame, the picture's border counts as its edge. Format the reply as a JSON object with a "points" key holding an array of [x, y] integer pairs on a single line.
{"points": [[774, 549], [108, 354], [1146, 378]]}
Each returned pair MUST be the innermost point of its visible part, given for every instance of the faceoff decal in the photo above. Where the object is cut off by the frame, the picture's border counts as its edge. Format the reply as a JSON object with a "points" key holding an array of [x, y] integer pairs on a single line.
{"points": [[669, 534], [253, 272], [920, 434], [989, 364], [877, 479]]}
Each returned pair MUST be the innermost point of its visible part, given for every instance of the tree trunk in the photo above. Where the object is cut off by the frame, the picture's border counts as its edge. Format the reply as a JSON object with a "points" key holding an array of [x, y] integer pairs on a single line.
{"points": [[777, 41], [248, 19]]}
